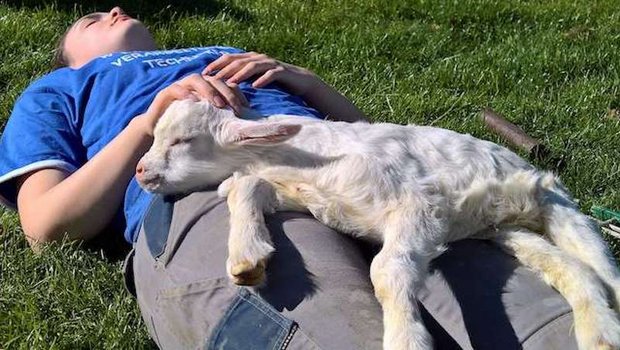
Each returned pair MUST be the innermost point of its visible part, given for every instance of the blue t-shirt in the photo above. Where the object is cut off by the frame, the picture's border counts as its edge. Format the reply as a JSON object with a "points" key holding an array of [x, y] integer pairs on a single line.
{"points": [[64, 118]]}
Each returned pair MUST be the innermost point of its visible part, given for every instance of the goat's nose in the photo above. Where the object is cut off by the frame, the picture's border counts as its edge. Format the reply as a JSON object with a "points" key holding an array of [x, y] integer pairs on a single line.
{"points": [[140, 171]]}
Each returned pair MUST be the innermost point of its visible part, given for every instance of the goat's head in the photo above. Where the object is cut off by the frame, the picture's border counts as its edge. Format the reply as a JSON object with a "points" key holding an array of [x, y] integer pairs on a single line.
{"points": [[197, 145]]}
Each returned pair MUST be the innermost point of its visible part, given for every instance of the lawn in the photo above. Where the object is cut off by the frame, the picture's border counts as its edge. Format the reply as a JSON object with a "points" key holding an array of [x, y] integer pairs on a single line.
{"points": [[551, 67]]}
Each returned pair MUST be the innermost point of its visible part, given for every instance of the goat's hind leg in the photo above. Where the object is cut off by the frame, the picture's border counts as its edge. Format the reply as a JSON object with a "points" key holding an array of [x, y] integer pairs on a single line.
{"points": [[249, 243], [596, 324], [397, 273], [579, 236]]}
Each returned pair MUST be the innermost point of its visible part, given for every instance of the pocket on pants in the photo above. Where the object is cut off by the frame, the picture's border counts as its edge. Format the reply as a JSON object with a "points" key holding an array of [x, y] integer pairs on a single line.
{"points": [[189, 313], [252, 323], [216, 314]]}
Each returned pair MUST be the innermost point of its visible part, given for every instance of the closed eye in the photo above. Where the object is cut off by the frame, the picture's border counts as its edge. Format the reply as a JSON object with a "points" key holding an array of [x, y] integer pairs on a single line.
{"points": [[179, 141], [91, 18]]}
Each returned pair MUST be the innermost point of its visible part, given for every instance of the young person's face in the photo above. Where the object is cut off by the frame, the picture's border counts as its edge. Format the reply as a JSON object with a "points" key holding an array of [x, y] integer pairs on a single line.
{"points": [[100, 33]]}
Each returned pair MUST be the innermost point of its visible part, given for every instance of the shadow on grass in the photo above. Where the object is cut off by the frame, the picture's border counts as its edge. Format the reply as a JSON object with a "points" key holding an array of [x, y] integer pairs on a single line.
{"points": [[112, 246], [151, 11]]}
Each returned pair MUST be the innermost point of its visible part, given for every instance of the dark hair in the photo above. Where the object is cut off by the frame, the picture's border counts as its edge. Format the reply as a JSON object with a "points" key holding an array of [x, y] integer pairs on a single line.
{"points": [[60, 59]]}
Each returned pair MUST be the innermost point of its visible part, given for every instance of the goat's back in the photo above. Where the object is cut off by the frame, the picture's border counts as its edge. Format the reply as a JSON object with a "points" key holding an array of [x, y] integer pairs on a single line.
{"points": [[409, 153]]}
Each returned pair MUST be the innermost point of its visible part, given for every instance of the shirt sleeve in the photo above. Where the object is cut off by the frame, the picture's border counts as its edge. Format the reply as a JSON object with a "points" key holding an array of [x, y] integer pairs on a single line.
{"points": [[39, 134]]}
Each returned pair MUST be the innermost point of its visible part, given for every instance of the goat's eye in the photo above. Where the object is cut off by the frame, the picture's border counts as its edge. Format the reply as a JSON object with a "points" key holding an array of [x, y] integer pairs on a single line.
{"points": [[179, 140]]}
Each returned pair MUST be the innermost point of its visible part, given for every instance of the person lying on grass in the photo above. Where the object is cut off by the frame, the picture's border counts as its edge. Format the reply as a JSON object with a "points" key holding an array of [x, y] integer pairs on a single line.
{"points": [[67, 161]]}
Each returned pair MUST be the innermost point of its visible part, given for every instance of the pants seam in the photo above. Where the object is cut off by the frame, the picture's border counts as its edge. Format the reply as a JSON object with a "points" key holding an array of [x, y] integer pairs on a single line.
{"points": [[545, 326]]}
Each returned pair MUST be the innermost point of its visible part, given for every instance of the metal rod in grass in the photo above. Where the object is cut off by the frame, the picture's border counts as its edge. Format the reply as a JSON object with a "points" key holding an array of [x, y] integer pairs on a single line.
{"points": [[514, 134]]}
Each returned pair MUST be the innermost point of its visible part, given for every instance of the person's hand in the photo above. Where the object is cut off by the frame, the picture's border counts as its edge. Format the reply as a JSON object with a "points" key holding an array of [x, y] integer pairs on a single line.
{"points": [[235, 68], [196, 87]]}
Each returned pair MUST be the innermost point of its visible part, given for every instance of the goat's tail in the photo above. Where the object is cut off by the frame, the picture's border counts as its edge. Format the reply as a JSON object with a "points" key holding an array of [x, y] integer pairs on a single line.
{"points": [[577, 234], [596, 325]]}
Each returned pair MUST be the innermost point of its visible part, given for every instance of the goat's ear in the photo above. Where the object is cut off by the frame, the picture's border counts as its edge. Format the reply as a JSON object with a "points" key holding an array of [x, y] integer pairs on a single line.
{"points": [[258, 133]]}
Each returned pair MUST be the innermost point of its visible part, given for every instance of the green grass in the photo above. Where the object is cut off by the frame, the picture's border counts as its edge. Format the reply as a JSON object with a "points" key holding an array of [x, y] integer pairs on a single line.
{"points": [[63, 298], [551, 67]]}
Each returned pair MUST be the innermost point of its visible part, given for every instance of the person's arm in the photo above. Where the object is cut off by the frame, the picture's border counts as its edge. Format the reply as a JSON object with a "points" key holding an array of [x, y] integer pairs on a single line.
{"points": [[52, 203], [235, 68], [331, 103]]}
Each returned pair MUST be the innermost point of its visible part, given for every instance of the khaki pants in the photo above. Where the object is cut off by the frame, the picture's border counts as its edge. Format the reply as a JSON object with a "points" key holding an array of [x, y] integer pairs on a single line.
{"points": [[318, 293]]}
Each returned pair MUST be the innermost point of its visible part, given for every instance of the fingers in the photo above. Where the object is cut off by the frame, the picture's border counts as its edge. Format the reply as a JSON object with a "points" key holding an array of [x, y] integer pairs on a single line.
{"points": [[231, 94], [204, 89], [178, 92], [269, 76], [235, 88], [196, 87], [235, 68], [251, 69], [165, 97], [240, 64], [224, 60], [217, 92]]}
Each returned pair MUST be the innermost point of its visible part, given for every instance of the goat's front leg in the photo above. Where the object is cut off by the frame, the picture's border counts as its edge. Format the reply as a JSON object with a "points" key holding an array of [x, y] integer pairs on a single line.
{"points": [[397, 273], [249, 243]]}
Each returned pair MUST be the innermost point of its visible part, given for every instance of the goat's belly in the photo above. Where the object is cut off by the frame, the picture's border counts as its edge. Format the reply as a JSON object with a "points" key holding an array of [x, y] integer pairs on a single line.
{"points": [[348, 219], [331, 209]]}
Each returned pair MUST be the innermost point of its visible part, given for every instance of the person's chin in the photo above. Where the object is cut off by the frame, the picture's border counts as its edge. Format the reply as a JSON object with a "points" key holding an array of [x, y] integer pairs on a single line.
{"points": [[137, 36]]}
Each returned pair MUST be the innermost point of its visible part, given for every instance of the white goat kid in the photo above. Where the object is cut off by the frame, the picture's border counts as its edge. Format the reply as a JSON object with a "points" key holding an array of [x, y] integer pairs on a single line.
{"points": [[411, 188]]}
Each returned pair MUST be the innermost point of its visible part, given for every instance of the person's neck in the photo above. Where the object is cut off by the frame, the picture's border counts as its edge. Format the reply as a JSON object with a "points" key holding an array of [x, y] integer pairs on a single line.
{"points": [[79, 64]]}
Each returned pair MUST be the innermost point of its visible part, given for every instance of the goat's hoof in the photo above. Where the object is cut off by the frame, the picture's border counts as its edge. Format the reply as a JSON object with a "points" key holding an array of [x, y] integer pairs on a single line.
{"points": [[247, 274]]}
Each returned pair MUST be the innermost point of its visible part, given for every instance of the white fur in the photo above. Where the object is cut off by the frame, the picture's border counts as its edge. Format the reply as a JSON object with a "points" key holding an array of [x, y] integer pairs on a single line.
{"points": [[412, 188]]}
